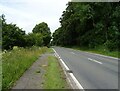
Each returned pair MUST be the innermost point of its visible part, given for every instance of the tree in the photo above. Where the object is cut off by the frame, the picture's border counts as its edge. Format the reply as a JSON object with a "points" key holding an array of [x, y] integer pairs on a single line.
{"points": [[41, 28], [89, 25], [34, 39], [12, 35], [0, 32], [44, 30]]}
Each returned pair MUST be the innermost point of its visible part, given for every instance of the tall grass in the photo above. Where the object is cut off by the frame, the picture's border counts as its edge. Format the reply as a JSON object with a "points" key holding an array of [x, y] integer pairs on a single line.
{"points": [[15, 62]]}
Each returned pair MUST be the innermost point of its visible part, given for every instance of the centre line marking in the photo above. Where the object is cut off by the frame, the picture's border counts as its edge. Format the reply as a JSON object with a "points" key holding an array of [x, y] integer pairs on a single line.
{"points": [[95, 61]]}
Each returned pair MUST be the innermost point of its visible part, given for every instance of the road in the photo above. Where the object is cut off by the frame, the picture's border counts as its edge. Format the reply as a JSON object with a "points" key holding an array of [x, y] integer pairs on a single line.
{"points": [[91, 70]]}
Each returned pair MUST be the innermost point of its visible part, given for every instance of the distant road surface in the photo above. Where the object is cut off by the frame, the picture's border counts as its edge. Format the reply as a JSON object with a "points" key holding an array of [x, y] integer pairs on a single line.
{"points": [[91, 70]]}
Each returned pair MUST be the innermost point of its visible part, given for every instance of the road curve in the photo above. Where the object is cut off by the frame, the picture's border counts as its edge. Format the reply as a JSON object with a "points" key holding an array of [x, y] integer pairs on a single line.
{"points": [[91, 70]]}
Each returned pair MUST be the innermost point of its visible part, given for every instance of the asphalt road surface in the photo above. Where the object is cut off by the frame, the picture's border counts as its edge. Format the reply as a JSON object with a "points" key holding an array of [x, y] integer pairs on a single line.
{"points": [[91, 70]]}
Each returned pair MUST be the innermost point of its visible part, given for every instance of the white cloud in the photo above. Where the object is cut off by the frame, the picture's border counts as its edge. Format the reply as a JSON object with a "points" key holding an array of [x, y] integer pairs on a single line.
{"points": [[27, 13]]}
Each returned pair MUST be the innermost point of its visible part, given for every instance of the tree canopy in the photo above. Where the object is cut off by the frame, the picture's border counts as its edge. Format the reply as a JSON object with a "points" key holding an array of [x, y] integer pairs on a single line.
{"points": [[12, 35], [42, 28], [89, 25]]}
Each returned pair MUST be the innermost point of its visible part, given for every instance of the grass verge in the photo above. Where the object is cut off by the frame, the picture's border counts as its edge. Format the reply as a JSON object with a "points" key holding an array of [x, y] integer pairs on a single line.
{"points": [[16, 62], [50, 50], [54, 77], [100, 50]]}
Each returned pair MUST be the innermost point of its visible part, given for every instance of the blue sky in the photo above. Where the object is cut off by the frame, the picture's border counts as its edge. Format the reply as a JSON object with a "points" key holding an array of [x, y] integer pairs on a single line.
{"points": [[27, 13]]}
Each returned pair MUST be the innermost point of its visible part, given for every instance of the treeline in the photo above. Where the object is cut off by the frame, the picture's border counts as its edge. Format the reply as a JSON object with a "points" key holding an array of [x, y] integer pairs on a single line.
{"points": [[12, 35], [89, 25]]}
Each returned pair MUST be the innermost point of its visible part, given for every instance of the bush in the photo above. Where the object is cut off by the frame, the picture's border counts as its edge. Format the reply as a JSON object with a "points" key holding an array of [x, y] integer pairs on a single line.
{"points": [[111, 45]]}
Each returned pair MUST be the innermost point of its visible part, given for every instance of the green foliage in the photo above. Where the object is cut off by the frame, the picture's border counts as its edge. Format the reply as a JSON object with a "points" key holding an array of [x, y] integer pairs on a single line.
{"points": [[12, 35], [34, 39], [111, 45], [89, 25], [0, 32], [43, 29], [101, 49]]}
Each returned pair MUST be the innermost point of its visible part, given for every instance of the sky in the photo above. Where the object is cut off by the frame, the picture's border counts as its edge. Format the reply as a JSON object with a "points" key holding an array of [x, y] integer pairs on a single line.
{"points": [[27, 13]]}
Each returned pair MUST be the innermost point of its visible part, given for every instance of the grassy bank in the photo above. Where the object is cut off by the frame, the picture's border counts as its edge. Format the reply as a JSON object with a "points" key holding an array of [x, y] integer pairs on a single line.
{"points": [[54, 77], [99, 50], [16, 61]]}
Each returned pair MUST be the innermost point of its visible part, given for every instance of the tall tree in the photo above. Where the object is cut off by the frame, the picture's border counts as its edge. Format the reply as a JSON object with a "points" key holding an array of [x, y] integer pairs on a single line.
{"points": [[43, 29], [11, 35], [89, 25]]}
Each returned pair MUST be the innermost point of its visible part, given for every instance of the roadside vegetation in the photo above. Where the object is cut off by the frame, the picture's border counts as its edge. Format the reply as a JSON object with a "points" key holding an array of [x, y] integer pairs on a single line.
{"points": [[91, 26], [18, 49], [54, 76], [16, 62], [21, 50], [12, 35], [99, 50]]}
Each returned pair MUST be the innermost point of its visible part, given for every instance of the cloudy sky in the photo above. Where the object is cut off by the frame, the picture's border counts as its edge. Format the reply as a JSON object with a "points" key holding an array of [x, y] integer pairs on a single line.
{"points": [[27, 13]]}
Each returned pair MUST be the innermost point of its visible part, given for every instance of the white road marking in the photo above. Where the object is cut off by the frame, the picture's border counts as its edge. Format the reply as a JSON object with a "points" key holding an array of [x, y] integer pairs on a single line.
{"points": [[95, 61], [71, 74], [72, 52], [98, 54], [103, 55], [64, 64]]}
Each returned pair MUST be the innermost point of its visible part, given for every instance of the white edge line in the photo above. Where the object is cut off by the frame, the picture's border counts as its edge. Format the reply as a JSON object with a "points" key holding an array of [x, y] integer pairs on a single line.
{"points": [[102, 55], [64, 64], [71, 74], [95, 61], [64, 72], [98, 54]]}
